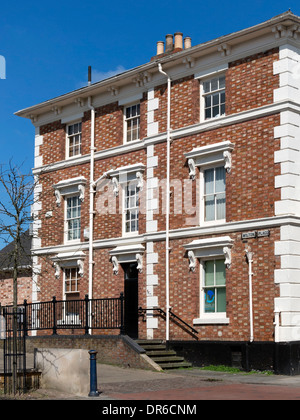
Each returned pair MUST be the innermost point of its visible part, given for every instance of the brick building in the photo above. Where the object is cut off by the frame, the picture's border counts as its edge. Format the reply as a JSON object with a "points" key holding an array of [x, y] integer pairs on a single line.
{"points": [[24, 289], [177, 182]]}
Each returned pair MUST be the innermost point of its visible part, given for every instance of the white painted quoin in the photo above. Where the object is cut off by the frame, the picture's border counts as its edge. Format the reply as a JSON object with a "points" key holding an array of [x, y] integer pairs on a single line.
{"points": [[288, 248]]}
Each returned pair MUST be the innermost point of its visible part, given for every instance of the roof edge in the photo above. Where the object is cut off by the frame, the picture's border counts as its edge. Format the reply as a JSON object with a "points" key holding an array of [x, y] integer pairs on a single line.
{"points": [[87, 91]]}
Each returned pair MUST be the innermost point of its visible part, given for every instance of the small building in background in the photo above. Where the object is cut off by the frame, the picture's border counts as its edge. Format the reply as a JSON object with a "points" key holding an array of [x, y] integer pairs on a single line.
{"points": [[24, 269]]}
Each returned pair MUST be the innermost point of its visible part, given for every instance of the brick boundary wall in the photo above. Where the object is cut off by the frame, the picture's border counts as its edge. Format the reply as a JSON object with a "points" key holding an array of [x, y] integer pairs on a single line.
{"points": [[117, 350]]}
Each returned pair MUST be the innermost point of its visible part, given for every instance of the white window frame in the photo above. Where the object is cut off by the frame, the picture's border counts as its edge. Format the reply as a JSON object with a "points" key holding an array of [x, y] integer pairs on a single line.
{"points": [[124, 187], [204, 250], [65, 292], [125, 122], [121, 177], [203, 95], [65, 189], [202, 220], [206, 157], [68, 140], [71, 318], [66, 230], [210, 316]]}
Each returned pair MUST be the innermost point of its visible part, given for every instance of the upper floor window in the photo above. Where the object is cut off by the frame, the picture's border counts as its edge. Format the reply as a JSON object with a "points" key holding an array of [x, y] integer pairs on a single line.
{"points": [[132, 122], [214, 194], [74, 139], [131, 208], [73, 218], [214, 97]]}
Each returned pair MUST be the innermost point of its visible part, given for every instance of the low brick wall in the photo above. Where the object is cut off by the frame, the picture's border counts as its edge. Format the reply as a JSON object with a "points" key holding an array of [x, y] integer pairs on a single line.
{"points": [[117, 350]]}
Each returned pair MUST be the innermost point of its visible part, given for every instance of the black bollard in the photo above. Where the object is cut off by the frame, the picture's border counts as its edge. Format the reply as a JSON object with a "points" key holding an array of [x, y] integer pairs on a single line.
{"points": [[93, 374]]}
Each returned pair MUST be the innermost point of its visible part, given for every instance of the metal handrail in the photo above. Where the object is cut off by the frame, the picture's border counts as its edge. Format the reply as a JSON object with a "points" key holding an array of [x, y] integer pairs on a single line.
{"points": [[172, 314]]}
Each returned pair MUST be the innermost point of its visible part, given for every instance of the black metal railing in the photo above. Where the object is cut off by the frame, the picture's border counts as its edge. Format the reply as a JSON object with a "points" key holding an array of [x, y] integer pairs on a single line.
{"points": [[143, 311], [85, 314], [14, 350]]}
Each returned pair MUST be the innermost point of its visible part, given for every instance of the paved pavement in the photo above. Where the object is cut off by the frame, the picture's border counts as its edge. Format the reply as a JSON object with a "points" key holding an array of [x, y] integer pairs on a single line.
{"points": [[121, 384], [127, 384], [194, 384]]}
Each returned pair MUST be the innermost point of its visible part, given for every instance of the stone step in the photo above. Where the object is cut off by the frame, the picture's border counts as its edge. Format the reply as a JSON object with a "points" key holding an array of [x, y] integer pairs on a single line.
{"points": [[167, 359], [154, 353], [154, 347], [141, 342], [174, 365]]}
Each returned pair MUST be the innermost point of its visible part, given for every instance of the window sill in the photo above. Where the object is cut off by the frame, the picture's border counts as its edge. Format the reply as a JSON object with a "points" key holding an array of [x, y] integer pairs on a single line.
{"points": [[131, 141], [130, 234], [210, 321], [72, 242], [213, 222], [205, 120], [73, 157]]}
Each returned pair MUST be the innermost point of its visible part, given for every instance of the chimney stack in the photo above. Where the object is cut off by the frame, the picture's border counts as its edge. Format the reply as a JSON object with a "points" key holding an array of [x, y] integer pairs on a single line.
{"points": [[187, 42], [169, 43], [160, 47], [178, 40], [173, 43]]}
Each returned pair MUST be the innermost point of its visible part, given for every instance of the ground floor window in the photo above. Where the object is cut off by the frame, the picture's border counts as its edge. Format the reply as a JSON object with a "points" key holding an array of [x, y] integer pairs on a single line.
{"points": [[214, 287], [71, 288]]}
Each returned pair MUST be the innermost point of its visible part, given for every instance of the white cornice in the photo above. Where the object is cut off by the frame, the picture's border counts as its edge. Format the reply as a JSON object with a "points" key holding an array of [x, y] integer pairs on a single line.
{"points": [[199, 231], [176, 134]]}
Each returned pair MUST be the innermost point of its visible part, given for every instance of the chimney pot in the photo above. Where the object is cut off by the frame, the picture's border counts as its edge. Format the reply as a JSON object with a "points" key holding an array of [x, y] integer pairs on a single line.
{"points": [[160, 47], [187, 42], [178, 40], [169, 42]]}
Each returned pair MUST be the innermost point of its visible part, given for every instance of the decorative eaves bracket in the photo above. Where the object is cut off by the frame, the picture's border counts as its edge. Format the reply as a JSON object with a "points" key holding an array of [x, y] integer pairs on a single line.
{"points": [[224, 49], [281, 31]]}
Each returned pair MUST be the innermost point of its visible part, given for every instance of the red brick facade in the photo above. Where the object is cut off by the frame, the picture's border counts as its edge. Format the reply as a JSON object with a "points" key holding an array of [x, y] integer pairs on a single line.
{"points": [[244, 141], [250, 180], [24, 288]]}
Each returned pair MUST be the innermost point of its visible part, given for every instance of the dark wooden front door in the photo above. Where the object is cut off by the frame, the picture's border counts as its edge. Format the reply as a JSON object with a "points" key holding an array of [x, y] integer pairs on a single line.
{"points": [[131, 300]]}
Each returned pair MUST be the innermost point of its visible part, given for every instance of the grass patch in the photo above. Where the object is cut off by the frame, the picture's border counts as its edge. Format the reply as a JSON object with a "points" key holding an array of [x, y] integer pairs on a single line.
{"points": [[229, 369], [222, 368]]}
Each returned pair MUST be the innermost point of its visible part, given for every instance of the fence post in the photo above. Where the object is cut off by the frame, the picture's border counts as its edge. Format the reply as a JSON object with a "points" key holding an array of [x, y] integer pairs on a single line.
{"points": [[54, 315], [25, 318], [86, 300], [122, 327]]}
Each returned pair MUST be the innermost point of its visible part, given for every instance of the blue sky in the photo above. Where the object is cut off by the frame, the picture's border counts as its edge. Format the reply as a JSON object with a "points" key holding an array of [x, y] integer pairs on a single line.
{"points": [[48, 47]]}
